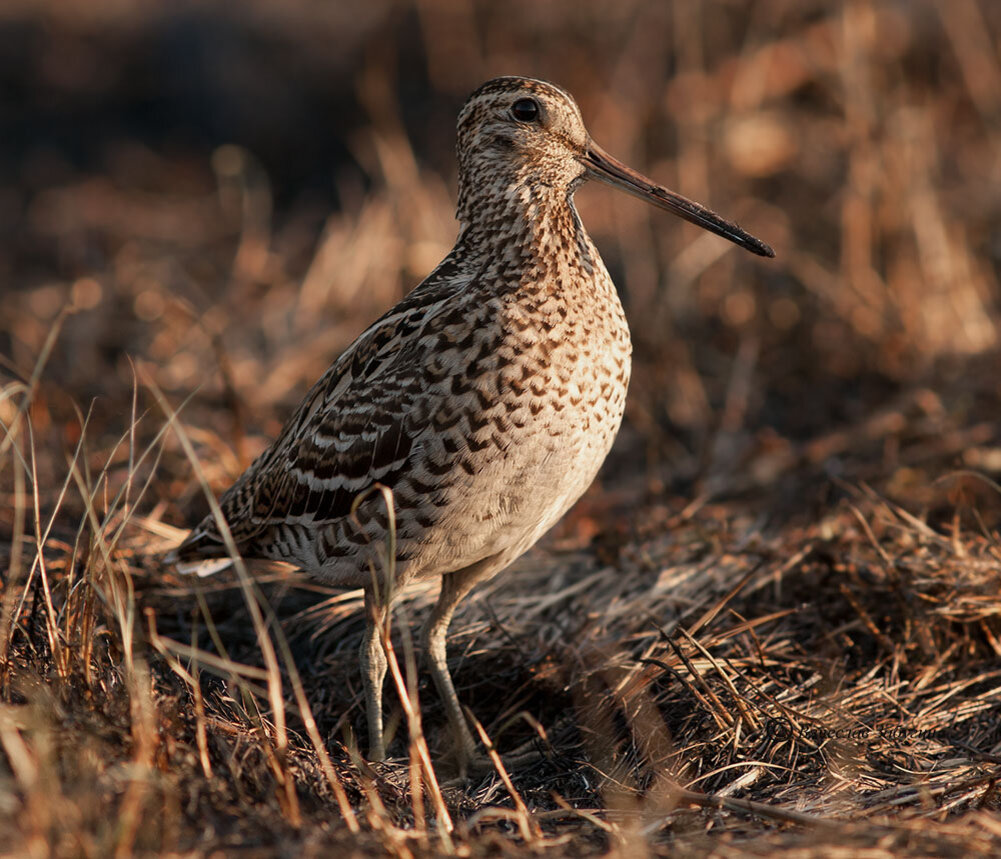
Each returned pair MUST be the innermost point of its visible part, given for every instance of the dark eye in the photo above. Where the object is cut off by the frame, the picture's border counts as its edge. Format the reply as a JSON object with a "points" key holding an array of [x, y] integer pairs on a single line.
{"points": [[525, 110]]}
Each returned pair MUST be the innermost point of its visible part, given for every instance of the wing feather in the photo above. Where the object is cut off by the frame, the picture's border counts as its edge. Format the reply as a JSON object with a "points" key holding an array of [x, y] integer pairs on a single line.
{"points": [[354, 428]]}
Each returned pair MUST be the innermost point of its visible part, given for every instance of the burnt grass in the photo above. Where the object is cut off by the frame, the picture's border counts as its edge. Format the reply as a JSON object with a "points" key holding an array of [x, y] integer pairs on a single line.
{"points": [[771, 626]]}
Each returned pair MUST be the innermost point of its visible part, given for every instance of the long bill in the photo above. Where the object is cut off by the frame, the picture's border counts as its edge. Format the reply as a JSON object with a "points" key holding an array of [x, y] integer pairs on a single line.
{"points": [[605, 168]]}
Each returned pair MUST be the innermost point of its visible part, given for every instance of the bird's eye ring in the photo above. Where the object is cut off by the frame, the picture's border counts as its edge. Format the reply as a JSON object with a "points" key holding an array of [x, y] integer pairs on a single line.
{"points": [[525, 110]]}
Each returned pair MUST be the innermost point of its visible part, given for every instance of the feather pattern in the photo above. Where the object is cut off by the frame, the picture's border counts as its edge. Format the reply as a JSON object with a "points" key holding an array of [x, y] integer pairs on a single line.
{"points": [[486, 400]]}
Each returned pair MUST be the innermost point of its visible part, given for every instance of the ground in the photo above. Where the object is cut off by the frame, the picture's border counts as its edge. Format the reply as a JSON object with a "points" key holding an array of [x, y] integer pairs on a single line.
{"points": [[772, 626]]}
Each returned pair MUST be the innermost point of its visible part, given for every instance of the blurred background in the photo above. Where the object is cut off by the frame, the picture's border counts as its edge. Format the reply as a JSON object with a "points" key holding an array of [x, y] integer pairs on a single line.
{"points": [[214, 198], [227, 193]]}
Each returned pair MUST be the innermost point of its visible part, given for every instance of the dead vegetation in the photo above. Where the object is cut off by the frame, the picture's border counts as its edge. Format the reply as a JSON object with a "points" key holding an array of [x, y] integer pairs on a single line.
{"points": [[774, 625]]}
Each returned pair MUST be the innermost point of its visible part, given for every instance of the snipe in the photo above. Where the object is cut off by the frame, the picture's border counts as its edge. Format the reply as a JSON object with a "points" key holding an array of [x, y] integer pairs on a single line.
{"points": [[486, 400]]}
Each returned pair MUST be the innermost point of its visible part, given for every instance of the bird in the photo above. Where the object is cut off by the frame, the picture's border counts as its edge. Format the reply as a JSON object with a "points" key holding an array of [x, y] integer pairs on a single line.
{"points": [[464, 422]]}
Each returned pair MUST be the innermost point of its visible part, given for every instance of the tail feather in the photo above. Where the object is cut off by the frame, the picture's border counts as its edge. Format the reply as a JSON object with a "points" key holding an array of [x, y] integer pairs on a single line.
{"points": [[203, 569], [202, 553]]}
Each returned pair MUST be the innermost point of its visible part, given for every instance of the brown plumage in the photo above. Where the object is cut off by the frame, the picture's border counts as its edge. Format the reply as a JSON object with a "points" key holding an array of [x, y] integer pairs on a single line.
{"points": [[486, 400]]}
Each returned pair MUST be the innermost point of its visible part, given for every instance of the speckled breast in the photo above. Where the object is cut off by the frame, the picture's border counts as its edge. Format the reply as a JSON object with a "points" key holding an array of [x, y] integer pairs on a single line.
{"points": [[540, 408]]}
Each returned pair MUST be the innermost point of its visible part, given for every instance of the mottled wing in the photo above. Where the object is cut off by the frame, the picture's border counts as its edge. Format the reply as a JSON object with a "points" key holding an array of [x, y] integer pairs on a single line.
{"points": [[353, 429]]}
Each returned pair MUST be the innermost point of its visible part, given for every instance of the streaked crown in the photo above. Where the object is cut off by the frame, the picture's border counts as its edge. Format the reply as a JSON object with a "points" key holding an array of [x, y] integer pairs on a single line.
{"points": [[523, 149], [515, 131]]}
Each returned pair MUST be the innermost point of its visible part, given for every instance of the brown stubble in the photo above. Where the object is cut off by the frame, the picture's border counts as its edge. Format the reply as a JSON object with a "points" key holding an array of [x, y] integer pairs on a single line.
{"points": [[882, 238]]}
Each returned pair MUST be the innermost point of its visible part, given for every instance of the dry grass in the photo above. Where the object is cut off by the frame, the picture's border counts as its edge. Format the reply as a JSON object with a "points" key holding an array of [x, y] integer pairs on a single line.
{"points": [[774, 624]]}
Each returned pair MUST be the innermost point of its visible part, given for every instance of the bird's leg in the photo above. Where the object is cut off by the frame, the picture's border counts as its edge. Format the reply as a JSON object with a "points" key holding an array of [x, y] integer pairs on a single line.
{"points": [[373, 674], [454, 586]]}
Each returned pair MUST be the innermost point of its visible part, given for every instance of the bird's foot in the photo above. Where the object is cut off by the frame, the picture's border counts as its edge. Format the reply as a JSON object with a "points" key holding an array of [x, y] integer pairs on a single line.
{"points": [[479, 763]]}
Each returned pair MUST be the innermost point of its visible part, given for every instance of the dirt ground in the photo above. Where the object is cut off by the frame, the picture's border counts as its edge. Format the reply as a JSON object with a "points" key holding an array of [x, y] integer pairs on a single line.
{"points": [[771, 627]]}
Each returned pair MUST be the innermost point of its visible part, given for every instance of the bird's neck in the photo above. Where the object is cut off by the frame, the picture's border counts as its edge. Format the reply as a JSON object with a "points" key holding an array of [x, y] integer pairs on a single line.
{"points": [[526, 230]]}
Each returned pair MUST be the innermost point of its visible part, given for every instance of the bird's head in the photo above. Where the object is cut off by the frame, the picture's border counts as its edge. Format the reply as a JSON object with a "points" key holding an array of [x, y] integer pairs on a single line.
{"points": [[522, 137]]}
